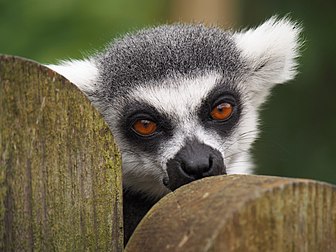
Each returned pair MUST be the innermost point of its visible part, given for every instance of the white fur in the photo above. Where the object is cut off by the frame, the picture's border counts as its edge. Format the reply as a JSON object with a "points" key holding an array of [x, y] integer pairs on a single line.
{"points": [[270, 53], [83, 73], [271, 49], [178, 96], [180, 99]]}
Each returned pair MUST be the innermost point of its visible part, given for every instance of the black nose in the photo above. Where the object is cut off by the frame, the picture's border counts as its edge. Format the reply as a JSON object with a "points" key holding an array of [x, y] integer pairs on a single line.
{"points": [[194, 161]]}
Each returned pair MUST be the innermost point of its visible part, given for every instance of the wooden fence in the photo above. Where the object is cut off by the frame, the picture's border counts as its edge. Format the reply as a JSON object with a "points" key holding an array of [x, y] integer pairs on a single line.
{"points": [[60, 175], [60, 186]]}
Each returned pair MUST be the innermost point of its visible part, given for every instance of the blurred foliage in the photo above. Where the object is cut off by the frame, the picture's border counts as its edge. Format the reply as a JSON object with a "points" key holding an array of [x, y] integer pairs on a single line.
{"points": [[46, 30], [299, 121]]}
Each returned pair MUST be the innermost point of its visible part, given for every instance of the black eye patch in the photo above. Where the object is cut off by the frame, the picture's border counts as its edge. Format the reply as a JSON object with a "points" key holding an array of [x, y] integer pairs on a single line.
{"points": [[135, 111], [220, 96]]}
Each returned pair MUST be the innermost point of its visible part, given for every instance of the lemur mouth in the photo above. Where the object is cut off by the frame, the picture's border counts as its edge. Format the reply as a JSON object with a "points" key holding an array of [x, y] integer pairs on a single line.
{"points": [[194, 161]]}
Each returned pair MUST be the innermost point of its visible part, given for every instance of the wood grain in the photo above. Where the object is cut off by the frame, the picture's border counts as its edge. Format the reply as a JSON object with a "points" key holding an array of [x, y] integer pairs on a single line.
{"points": [[241, 213], [60, 171]]}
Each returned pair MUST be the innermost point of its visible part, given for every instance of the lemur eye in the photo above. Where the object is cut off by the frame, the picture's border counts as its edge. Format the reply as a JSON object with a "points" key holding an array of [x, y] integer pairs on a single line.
{"points": [[222, 111], [144, 127]]}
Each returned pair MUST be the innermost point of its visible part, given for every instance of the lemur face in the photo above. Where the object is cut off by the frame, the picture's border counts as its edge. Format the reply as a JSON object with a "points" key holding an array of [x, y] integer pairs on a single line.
{"points": [[182, 100], [182, 129]]}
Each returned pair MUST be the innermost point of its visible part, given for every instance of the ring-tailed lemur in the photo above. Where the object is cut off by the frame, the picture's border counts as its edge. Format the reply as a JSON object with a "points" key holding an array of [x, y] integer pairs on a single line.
{"points": [[182, 100]]}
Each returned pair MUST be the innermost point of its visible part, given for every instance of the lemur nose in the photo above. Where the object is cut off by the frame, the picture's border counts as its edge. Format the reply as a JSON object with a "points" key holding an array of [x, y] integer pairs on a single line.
{"points": [[194, 161], [196, 166]]}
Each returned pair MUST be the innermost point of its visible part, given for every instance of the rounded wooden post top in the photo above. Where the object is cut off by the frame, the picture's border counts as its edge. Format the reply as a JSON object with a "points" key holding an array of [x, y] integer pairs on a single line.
{"points": [[241, 213]]}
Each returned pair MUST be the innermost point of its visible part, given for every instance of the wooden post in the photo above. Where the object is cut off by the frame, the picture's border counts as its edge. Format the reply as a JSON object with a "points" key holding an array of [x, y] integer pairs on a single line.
{"points": [[60, 171], [211, 12], [241, 213]]}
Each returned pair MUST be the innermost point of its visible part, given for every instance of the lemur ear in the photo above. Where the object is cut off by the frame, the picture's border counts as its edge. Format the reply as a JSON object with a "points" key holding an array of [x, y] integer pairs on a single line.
{"points": [[271, 51], [82, 73]]}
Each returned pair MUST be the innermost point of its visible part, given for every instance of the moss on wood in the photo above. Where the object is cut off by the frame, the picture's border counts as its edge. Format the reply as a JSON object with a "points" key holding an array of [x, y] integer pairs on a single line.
{"points": [[60, 171]]}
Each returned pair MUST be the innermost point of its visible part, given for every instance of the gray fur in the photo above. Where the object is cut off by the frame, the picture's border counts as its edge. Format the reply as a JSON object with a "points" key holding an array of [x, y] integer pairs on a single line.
{"points": [[162, 52], [171, 71]]}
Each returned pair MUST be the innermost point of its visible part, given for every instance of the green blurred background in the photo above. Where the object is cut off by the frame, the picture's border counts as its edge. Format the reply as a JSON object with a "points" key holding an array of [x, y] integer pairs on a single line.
{"points": [[299, 121]]}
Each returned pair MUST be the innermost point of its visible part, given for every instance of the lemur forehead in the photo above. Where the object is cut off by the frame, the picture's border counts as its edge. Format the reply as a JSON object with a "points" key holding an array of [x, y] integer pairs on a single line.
{"points": [[178, 96], [159, 53]]}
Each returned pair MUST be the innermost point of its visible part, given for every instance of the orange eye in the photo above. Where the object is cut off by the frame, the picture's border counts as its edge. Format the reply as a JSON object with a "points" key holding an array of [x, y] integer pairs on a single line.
{"points": [[222, 111], [144, 127]]}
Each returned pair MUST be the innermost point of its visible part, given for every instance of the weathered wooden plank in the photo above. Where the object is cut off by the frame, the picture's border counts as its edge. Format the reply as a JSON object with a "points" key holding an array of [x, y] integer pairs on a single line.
{"points": [[241, 213], [60, 171]]}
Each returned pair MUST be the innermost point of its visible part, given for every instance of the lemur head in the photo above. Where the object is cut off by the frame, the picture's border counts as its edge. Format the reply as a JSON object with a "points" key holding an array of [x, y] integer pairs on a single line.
{"points": [[182, 100]]}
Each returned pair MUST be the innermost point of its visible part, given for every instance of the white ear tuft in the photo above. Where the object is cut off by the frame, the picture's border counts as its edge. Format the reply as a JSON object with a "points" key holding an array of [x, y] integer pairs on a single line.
{"points": [[271, 49], [83, 73]]}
